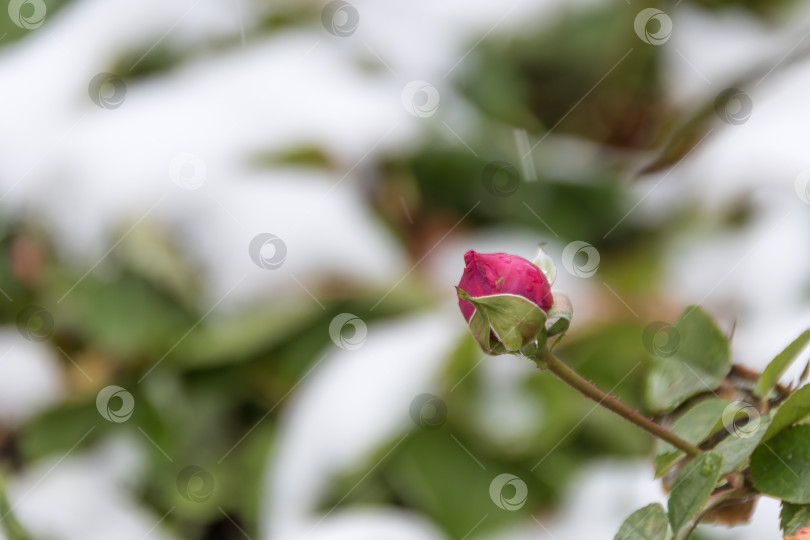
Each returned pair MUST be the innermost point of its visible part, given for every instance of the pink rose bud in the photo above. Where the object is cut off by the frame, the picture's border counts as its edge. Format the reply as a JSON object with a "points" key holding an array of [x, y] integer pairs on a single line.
{"points": [[504, 299]]}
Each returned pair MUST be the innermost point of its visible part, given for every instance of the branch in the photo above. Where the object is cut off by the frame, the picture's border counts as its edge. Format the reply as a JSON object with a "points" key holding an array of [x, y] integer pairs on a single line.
{"points": [[589, 390]]}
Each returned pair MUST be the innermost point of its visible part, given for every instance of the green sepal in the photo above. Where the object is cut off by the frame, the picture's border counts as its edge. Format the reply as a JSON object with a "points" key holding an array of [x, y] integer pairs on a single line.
{"points": [[546, 265], [535, 349], [559, 315], [516, 321], [480, 330]]}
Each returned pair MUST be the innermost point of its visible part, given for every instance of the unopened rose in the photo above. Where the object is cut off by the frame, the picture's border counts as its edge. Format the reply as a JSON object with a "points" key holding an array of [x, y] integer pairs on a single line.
{"points": [[506, 301], [488, 274]]}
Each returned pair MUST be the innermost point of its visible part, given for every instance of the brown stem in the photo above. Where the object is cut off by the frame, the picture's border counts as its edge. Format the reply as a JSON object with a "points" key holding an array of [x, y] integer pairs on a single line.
{"points": [[589, 390], [753, 375]]}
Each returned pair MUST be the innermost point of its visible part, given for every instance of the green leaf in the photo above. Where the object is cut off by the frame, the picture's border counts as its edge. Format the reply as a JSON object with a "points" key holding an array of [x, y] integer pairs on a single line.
{"points": [[237, 338], [767, 381], [694, 426], [700, 363], [692, 488], [648, 523], [780, 467], [737, 447], [795, 407], [515, 320], [793, 517], [125, 316], [432, 476]]}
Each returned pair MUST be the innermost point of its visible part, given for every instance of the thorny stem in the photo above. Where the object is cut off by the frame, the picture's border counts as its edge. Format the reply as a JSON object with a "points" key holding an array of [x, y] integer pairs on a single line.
{"points": [[589, 390]]}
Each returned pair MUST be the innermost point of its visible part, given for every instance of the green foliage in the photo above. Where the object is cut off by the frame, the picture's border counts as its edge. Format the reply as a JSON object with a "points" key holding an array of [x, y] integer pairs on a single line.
{"points": [[59, 429], [780, 467], [691, 490], [454, 180], [552, 69], [767, 381], [700, 363], [433, 472], [772, 446], [648, 523], [238, 339], [794, 408], [738, 446], [126, 318]]}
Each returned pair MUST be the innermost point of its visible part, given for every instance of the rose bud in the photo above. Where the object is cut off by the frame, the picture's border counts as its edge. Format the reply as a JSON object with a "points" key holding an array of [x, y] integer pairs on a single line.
{"points": [[504, 299]]}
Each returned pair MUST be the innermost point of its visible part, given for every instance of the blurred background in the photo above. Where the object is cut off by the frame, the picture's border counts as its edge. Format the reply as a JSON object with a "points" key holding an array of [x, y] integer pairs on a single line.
{"points": [[230, 231]]}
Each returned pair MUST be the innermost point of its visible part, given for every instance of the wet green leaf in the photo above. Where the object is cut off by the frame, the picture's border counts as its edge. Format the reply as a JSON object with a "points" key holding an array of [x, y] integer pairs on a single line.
{"points": [[780, 467], [691, 490]]}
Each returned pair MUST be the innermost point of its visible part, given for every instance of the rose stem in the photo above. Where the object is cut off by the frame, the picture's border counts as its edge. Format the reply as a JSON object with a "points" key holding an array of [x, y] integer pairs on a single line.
{"points": [[589, 390]]}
